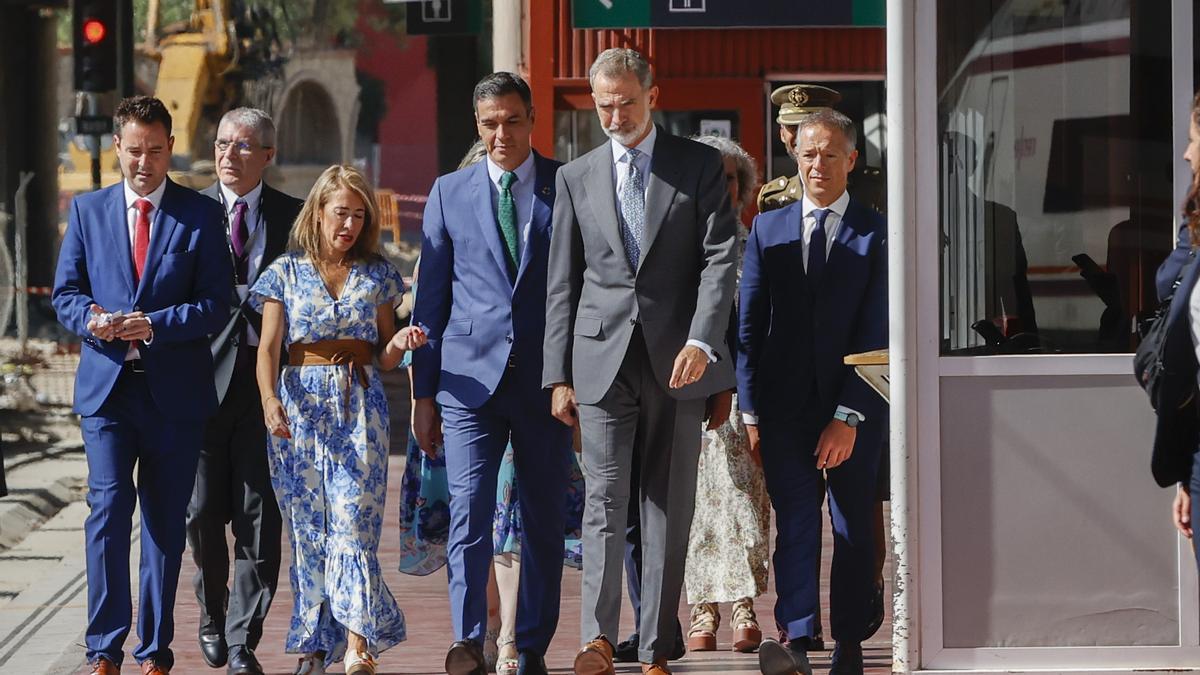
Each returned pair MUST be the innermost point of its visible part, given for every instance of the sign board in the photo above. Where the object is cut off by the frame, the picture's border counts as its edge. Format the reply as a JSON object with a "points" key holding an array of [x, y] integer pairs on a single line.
{"points": [[725, 13], [444, 17]]}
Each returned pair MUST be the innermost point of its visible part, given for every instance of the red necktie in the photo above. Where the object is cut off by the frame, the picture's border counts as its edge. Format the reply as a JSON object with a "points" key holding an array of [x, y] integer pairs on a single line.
{"points": [[141, 236]]}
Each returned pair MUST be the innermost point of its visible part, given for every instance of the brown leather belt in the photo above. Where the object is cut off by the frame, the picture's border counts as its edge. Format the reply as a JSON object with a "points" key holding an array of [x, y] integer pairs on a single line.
{"points": [[354, 354]]}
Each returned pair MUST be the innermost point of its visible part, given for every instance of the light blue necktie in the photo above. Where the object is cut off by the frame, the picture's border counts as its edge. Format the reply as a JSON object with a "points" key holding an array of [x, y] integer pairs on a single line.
{"points": [[632, 198]]}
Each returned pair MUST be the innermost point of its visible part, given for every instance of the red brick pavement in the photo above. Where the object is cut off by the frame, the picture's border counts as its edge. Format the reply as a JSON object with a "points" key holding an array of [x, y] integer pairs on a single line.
{"points": [[426, 609]]}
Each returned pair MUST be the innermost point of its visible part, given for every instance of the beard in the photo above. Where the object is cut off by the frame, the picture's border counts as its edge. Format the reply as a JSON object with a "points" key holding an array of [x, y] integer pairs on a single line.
{"points": [[626, 138]]}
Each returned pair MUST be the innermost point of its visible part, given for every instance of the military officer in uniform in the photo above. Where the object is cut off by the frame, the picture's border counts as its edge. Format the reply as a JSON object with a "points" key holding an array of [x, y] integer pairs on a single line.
{"points": [[794, 101]]}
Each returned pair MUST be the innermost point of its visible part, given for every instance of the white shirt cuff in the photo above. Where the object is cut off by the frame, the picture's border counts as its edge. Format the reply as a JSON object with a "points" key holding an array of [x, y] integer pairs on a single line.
{"points": [[149, 340], [712, 355], [749, 418], [842, 411]]}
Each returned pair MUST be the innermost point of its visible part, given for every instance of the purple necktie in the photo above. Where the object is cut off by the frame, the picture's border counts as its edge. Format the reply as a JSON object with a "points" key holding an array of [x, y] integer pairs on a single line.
{"points": [[237, 229]]}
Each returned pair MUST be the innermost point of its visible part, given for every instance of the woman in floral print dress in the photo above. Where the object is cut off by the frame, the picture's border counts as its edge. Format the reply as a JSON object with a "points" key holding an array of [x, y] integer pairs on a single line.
{"points": [[727, 548], [333, 296]]}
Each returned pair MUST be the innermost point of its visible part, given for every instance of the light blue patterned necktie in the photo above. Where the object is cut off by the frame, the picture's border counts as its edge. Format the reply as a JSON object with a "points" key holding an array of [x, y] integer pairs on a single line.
{"points": [[632, 198]]}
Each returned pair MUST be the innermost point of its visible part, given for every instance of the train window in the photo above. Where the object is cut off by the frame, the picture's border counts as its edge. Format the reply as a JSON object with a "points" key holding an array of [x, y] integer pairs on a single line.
{"points": [[1055, 170]]}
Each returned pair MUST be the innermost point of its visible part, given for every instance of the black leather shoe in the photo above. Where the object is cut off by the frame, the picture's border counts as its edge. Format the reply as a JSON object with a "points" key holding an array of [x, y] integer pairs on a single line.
{"points": [[776, 659], [847, 659], [626, 652], [242, 661], [465, 658], [530, 663], [213, 647]]}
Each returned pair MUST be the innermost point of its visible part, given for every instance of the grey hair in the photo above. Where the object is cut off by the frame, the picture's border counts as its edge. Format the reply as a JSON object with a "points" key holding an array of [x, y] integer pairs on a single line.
{"points": [[830, 119], [617, 61], [253, 118], [475, 153], [747, 170]]}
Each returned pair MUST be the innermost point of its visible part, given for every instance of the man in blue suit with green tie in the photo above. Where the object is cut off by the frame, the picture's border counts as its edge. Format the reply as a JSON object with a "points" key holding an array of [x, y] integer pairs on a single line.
{"points": [[482, 300], [814, 289], [143, 277]]}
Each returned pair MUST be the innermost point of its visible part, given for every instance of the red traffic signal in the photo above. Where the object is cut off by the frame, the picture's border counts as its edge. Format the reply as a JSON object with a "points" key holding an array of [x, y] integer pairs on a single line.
{"points": [[94, 31]]}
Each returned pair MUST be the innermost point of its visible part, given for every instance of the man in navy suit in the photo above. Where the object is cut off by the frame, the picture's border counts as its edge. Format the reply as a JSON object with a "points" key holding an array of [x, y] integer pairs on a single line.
{"points": [[814, 289], [482, 300], [144, 277]]}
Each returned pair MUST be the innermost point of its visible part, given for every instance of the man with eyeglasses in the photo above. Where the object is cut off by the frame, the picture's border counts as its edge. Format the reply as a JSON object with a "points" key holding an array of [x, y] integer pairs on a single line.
{"points": [[233, 481]]}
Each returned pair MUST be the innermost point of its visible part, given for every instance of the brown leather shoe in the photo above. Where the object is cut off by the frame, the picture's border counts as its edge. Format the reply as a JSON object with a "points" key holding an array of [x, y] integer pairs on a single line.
{"points": [[596, 658], [149, 667], [656, 669], [102, 666]]}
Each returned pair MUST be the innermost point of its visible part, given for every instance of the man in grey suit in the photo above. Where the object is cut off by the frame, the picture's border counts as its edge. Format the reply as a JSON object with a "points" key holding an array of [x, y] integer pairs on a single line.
{"points": [[233, 480], [641, 280]]}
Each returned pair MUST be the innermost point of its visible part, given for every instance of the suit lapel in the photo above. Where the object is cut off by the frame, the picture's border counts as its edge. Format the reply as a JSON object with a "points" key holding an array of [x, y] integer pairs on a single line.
{"points": [[161, 232], [117, 225], [481, 197], [603, 197], [277, 232], [660, 190], [539, 223], [839, 254]]}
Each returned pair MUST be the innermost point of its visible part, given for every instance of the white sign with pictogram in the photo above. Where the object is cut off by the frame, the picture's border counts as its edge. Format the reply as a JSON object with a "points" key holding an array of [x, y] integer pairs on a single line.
{"points": [[688, 6]]}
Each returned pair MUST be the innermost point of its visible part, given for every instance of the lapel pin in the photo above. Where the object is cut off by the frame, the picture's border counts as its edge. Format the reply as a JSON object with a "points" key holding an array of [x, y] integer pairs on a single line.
{"points": [[546, 190]]}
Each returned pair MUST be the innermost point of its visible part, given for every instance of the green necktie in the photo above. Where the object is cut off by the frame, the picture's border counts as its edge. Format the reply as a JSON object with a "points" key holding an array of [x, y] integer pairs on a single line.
{"points": [[506, 214]]}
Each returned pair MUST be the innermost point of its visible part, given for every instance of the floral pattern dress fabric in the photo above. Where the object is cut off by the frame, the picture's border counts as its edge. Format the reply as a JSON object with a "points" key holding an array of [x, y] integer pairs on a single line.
{"points": [[727, 554], [330, 478]]}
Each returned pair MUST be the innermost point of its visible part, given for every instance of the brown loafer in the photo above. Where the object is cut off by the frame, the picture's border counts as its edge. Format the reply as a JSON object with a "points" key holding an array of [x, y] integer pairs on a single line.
{"points": [[102, 666], [596, 658], [150, 667], [656, 669]]}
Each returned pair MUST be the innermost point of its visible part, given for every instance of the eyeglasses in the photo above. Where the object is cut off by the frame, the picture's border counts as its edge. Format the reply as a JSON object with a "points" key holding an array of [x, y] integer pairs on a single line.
{"points": [[243, 148]]}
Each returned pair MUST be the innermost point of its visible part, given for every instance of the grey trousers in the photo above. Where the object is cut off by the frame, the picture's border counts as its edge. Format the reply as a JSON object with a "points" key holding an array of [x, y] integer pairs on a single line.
{"points": [[638, 413]]}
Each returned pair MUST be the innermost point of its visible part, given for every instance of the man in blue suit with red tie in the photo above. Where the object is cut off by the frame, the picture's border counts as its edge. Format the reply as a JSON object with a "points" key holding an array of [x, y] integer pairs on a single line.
{"points": [[482, 300], [814, 289], [143, 277]]}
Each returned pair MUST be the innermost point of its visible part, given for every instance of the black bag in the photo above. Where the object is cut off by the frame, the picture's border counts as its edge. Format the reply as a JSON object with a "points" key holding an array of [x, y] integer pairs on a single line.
{"points": [[1168, 389]]}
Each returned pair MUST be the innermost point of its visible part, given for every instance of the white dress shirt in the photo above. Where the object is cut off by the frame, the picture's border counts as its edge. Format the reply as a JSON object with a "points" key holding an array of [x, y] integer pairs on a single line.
{"points": [[808, 223], [252, 220], [131, 214], [522, 192], [620, 175]]}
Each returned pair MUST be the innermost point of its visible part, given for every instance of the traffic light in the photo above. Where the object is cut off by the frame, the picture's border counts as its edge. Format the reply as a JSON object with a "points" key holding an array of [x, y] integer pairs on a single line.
{"points": [[94, 26]]}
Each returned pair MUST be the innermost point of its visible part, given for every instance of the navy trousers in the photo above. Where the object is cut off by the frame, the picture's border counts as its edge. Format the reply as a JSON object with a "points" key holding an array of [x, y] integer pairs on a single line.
{"points": [[795, 487], [476, 439], [129, 432]]}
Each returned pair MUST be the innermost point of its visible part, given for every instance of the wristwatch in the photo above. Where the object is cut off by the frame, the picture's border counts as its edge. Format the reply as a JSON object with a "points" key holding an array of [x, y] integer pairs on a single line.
{"points": [[851, 419]]}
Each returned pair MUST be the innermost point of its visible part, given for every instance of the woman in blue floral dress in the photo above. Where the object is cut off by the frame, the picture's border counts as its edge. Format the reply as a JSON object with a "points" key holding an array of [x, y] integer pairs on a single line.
{"points": [[333, 296]]}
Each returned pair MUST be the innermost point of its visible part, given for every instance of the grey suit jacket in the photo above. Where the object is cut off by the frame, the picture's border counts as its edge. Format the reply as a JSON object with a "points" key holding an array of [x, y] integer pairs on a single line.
{"points": [[279, 211], [684, 285]]}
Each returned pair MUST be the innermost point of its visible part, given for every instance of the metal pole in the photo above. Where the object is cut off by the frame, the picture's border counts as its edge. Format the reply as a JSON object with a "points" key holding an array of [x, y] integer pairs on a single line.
{"points": [[20, 260], [902, 297], [506, 35]]}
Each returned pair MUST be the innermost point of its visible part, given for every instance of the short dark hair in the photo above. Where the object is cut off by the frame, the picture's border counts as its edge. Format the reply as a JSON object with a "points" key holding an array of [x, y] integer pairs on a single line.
{"points": [[502, 84], [143, 110]]}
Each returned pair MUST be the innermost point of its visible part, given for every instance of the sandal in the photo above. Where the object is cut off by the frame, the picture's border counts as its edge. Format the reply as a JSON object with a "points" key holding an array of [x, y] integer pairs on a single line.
{"points": [[507, 665], [702, 635], [746, 633], [310, 664], [360, 663]]}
